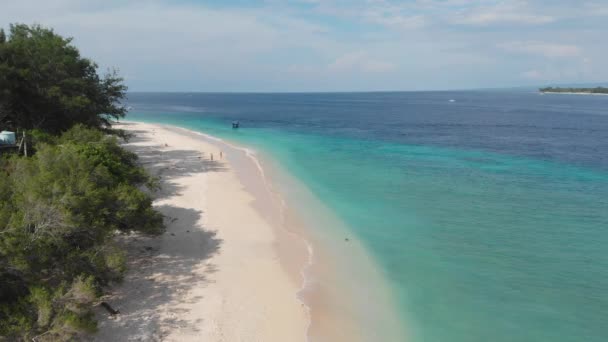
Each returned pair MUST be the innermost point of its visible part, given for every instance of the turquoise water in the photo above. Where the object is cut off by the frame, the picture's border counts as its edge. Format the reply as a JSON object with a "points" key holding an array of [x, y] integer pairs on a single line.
{"points": [[480, 241]]}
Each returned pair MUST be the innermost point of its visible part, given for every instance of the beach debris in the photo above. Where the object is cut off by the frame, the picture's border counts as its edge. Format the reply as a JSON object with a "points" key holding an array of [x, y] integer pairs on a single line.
{"points": [[172, 234], [109, 308], [187, 231]]}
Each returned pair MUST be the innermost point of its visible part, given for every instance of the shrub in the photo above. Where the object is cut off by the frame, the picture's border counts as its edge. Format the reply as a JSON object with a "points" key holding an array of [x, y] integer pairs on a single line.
{"points": [[59, 212]]}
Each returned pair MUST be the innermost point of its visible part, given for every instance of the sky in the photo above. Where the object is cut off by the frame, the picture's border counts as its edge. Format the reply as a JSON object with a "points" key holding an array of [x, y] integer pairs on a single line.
{"points": [[331, 45]]}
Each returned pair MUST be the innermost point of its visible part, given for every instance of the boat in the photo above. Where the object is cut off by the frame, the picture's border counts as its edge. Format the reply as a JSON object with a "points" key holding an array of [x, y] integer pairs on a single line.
{"points": [[235, 124]]}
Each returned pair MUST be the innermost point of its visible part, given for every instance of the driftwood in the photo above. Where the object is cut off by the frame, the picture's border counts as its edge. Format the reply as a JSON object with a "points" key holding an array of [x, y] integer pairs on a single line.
{"points": [[109, 309]]}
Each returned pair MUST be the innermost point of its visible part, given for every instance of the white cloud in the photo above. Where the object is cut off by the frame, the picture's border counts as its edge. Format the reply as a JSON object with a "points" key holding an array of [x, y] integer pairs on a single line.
{"points": [[168, 43], [397, 21], [555, 73], [358, 61], [515, 12], [302, 70], [378, 66], [596, 8], [570, 70], [533, 75], [550, 50], [492, 17], [159, 45]]}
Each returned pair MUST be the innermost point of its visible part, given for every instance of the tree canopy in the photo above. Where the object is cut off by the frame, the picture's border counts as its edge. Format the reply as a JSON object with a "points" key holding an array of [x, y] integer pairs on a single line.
{"points": [[596, 90], [45, 83]]}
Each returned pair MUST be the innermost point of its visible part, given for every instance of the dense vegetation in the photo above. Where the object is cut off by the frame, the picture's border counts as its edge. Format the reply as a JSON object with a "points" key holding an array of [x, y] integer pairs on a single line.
{"points": [[596, 90], [46, 84], [61, 208]]}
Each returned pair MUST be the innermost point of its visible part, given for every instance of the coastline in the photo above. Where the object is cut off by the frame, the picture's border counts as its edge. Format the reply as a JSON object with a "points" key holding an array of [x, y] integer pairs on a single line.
{"points": [[572, 93], [341, 307], [216, 274]]}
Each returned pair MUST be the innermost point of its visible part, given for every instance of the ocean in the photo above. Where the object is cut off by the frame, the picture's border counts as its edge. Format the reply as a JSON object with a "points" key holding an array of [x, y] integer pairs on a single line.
{"points": [[487, 211]]}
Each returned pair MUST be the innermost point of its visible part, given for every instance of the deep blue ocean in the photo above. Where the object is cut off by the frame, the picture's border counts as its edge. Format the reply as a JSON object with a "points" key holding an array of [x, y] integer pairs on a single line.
{"points": [[487, 210]]}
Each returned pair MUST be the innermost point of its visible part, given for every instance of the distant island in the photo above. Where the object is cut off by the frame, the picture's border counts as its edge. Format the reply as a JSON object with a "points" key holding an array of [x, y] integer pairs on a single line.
{"points": [[596, 90]]}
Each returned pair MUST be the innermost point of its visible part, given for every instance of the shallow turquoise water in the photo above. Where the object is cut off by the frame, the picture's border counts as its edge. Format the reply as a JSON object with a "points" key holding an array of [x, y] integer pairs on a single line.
{"points": [[479, 245]]}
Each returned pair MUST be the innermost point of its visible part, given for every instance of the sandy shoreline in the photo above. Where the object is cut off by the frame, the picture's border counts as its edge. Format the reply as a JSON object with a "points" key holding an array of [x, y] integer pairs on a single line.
{"points": [[215, 275]]}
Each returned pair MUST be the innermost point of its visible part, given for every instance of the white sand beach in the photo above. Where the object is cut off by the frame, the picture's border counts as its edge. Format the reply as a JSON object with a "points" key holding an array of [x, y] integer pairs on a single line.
{"points": [[215, 275]]}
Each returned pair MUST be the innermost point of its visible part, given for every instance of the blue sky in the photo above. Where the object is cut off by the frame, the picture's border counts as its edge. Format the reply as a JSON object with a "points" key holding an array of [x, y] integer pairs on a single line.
{"points": [[332, 45]]}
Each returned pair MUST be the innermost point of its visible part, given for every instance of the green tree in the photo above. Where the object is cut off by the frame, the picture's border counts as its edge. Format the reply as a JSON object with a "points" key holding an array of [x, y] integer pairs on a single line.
{"points": [[61, 208], [45, 83]]}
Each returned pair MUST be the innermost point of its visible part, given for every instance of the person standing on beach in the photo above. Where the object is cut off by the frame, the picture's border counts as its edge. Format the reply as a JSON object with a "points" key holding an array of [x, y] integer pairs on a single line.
{"points": [[211, 156], [221, 155]]}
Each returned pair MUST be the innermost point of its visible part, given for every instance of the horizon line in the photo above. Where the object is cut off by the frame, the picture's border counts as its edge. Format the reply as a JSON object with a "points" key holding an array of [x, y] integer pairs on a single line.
{"points": [[370, 91]]}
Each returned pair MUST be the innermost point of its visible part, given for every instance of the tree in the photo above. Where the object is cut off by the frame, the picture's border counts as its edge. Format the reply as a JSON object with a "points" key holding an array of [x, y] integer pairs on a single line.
{"points": [[61, 208], [45, 83]]}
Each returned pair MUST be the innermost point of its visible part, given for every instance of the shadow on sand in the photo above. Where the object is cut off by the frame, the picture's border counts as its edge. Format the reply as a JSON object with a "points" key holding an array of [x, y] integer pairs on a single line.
{"points": [[169, 164], [162, 269]]}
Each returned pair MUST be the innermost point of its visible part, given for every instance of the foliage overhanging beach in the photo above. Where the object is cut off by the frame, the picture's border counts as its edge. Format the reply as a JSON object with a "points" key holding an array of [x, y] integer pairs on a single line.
{"points": [[62, 205]]}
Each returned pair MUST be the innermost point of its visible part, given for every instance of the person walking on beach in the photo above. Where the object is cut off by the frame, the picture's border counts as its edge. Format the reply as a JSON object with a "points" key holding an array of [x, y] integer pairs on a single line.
{"points": [[221, 155], [211, 156]]}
